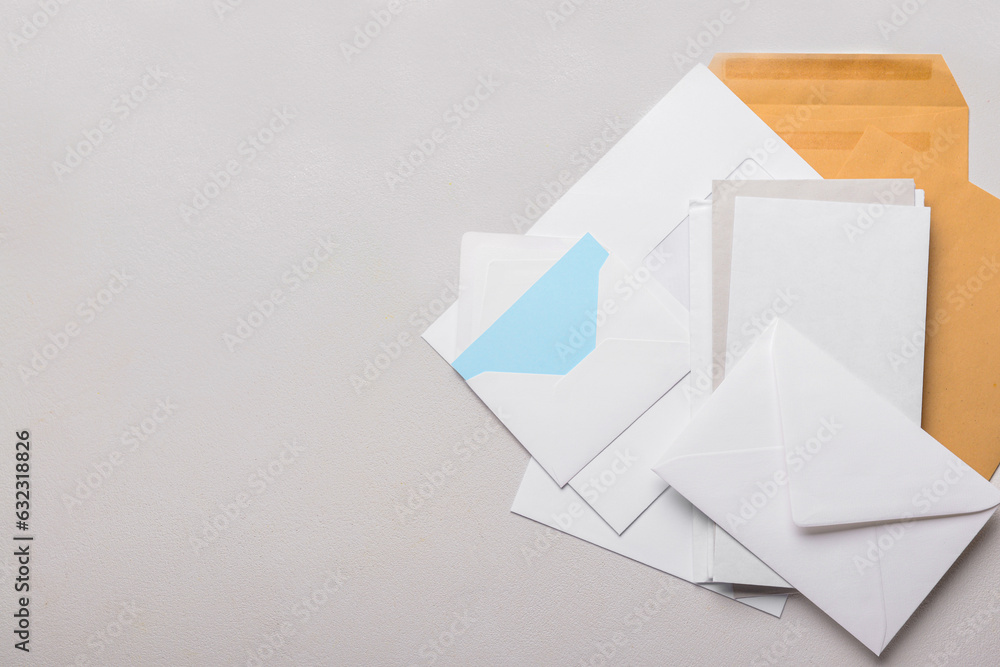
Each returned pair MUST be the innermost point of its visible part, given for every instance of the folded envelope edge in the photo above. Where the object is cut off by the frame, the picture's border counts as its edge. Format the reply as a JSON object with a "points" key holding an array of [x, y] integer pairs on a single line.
{"points": [[991, 496]]}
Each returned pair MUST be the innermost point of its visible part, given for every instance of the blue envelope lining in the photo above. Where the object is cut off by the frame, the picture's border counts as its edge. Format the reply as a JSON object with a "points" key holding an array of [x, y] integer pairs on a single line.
{"points": [[551, 328]]}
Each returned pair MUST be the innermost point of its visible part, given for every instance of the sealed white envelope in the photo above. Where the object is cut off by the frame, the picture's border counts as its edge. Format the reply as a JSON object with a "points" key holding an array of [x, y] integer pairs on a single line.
{"points": [[829, 483], [660, 538], [852, 277], [578, 357]]}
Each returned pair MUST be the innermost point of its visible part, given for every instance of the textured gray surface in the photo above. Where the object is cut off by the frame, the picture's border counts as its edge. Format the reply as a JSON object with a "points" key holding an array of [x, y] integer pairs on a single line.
{"points": [[404, 577]]}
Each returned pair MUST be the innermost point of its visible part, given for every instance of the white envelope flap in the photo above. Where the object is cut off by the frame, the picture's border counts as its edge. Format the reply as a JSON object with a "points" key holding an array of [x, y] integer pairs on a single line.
{"points": [[851, 456], [578, 357], [733, 464]]}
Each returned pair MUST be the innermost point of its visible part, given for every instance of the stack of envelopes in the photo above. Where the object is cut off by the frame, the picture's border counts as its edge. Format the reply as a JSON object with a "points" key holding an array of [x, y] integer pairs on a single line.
{"points": [[755, 345]]}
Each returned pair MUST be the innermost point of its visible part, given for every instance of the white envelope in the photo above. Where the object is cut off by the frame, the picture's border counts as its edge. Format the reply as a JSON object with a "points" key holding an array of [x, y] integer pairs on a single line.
{"points": [[829, 483], [496, 270], [578, 357], [660, 538], [859, 296]]}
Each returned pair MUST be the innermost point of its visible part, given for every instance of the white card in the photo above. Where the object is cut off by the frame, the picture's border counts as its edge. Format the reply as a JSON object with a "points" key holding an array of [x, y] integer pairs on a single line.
{"points": [[858, 290]]}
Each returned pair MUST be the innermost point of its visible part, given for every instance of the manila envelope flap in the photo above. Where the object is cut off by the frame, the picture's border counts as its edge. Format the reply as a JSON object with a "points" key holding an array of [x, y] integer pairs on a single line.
{"points": [[821, 104]]}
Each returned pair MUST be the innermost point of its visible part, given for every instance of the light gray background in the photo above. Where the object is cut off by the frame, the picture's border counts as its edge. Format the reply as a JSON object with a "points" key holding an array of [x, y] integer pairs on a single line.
{"points": [[462, 551]]}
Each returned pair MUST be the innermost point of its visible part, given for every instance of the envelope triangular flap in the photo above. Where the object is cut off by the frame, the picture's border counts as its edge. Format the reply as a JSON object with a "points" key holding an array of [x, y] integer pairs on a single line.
{"points": [[851, 456], [529, 337]]}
